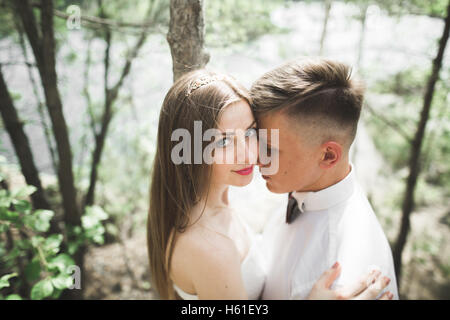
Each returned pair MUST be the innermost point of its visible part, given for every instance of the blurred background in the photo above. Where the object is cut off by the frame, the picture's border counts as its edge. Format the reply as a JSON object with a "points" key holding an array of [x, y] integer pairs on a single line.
{"points": [[81, 86]]}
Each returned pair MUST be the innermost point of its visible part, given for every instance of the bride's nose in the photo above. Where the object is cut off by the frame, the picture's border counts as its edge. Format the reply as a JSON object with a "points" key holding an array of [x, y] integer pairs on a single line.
{"points": [[246, 151]]}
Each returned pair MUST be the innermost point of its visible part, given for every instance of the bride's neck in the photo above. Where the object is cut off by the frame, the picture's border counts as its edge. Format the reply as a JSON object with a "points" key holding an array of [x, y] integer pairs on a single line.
{"points": [[216, 198]]}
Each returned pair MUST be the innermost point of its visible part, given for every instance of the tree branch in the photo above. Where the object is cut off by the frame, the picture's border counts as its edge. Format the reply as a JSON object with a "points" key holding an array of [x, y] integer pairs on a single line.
{"points": [[102, 22], [111, 95], [21, 144], [390, 124]]}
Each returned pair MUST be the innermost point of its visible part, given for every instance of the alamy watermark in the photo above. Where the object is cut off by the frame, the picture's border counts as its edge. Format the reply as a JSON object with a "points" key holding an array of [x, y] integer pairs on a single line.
{"points": [[75, 273], [190, 149], [74, 19]]}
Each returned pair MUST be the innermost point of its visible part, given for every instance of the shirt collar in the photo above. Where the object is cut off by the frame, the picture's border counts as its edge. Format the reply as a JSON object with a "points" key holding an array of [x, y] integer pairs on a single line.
{"points": [[328, 197]]}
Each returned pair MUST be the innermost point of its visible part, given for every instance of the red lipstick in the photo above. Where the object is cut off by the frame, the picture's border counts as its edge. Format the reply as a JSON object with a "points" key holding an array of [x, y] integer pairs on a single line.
{"points": [[245, 171]]}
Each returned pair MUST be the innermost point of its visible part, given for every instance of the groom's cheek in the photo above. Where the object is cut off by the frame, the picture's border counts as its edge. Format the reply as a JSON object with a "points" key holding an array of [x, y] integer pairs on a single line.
{"points": [[270, 164]]}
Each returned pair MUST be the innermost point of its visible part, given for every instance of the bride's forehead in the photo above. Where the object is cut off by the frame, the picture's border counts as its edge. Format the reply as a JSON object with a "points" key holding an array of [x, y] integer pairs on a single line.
{"points": [[237, 115]]}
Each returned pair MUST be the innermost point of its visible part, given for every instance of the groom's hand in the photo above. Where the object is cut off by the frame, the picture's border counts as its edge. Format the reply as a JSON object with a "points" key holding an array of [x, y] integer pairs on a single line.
{"points": [[367, 287]]}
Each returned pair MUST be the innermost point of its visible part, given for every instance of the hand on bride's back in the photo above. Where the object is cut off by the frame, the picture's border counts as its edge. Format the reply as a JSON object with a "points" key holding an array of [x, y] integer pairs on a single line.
{"points": [[368, 287]]}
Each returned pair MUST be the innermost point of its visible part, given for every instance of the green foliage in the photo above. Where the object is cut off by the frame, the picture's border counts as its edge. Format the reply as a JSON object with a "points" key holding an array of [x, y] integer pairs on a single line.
{"points": [[91, 221], [45, 265], [436, 8], [235, 21], [433, 8], [42, 289], [16, 215], [405, 90], [4, 280]]}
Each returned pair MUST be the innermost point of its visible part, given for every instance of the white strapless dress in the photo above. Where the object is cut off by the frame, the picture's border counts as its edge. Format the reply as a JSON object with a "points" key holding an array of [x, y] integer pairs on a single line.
{"points": [[252, 269]]}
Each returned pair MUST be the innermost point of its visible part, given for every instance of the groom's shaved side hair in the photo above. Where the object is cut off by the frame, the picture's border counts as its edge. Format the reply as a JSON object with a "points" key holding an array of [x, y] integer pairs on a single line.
{"points": [[320, 94]]}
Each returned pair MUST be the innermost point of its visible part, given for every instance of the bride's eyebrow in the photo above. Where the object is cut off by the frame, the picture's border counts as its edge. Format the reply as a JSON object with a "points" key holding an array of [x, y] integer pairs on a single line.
{"points": [[251, 125], [232, 133]]}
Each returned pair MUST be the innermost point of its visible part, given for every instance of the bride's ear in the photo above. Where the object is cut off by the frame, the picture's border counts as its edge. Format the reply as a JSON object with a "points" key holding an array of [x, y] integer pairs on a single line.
{"points": [[331, 154]]}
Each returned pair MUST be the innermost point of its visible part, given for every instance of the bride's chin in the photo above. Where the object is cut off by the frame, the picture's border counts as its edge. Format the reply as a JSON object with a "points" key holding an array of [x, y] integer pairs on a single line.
{"points": [[244, 181]]}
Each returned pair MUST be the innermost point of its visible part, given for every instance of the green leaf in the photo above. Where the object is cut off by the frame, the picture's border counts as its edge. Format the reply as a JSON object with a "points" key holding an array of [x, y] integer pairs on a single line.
{"points": [[56, 293], [33, 270], [5, 199], [4, 280], [98, 212], [61, 262], [42, 289], [52, 243], [13, 297], [23, 206], [24, 192], [9, 215], [62, 281], [72, 247], [93, 216], [37, 241], [43, 218], [88, 221], [98, 238]]}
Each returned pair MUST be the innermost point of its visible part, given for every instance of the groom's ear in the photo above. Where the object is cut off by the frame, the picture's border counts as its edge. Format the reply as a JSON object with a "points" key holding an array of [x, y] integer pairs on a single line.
{"points": [[331, 154]]}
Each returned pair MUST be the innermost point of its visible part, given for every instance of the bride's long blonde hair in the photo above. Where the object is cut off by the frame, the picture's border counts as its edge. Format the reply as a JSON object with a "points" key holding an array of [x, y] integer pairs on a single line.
{"points": [[175, 189]]}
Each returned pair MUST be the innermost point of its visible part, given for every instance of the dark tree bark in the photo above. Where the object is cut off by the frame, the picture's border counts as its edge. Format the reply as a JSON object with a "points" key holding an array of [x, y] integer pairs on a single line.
{"points": [[414, 162], [42, 41], [111, 95], [21, 145], [43, 47], [186, 36], [40, 104]]}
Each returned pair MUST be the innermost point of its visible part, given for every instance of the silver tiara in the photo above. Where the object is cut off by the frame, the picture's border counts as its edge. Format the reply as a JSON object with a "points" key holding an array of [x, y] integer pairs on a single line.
{"points": [[202, 81]]}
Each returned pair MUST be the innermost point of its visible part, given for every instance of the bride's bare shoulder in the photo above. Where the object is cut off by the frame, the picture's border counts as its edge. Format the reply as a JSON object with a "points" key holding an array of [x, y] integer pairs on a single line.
{"points": [[200, 242], [200, 238]]}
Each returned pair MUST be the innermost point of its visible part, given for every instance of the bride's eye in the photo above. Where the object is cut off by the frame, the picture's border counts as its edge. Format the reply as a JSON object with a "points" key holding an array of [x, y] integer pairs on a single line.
{"points": [[223, 142], [250, 132]]}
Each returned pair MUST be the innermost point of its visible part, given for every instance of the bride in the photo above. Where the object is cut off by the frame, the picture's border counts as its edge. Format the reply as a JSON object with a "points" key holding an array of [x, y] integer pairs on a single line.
{"points": [[198, 247]]}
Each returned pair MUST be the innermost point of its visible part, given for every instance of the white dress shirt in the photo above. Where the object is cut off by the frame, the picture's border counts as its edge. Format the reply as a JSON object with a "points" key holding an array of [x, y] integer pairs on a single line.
{"points": [[336, 224]]}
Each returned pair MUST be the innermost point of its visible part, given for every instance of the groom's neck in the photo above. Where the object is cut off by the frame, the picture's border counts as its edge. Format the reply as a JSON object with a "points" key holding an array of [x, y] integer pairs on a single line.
{"points": [[332, 176]]}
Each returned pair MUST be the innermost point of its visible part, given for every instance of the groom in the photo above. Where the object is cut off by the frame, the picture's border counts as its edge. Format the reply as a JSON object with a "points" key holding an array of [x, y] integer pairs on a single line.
{"points": [[315, 105]]}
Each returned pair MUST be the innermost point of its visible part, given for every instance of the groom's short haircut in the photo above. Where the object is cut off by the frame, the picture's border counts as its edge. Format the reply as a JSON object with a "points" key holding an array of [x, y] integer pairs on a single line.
{"points": [[319, 92]]}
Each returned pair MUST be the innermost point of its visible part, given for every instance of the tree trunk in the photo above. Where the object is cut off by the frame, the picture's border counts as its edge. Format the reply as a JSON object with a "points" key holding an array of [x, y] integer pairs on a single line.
{"points": [[414, 162], [44, 52], [186, 36], [111, 95], [41, 105], [328, 4], [21, 145], [42, 42]]}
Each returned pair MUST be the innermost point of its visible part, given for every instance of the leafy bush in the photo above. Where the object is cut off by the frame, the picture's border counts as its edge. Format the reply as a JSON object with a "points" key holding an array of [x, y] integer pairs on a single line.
{"points": [[33, 261], [24, 230]]}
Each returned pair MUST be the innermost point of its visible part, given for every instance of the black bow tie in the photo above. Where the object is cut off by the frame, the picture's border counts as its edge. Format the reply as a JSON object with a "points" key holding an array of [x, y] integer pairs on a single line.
{"points": [[293, 210]]}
